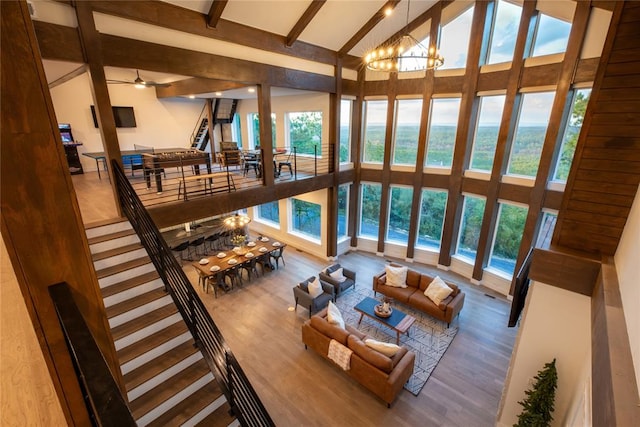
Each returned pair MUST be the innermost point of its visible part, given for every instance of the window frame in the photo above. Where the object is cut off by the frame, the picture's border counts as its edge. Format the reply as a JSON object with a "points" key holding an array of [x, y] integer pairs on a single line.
{"points": [[426, 165], [475, 133], [365, 125], [396, 113], [362, 186], [287, 124], [263, 220], [342, 237], [298, 232], [387, 239], [459, 236], [496, 227], [433, 190], [349, 102]]}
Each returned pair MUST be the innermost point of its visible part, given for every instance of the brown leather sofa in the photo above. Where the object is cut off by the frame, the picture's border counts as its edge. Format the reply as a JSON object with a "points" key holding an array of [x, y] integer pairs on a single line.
{"points": [[384, 376], [413, 295]]}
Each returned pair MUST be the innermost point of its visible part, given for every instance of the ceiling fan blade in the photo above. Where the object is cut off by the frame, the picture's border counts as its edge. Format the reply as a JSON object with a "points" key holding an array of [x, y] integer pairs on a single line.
{"points": [[157, 84], [125, 82]]}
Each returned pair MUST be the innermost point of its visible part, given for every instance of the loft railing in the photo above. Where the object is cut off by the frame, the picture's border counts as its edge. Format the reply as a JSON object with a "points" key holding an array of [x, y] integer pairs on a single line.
{"points": [[104, 401], [244, 401], [520, 290]]}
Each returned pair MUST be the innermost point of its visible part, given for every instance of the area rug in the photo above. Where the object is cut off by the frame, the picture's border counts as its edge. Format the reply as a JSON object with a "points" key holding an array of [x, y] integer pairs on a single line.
{"points": [[428, 337]]}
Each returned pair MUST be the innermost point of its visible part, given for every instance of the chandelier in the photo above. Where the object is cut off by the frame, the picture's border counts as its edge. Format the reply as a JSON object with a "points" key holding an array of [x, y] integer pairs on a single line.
{"points": [[405, 53], [236, 221]]}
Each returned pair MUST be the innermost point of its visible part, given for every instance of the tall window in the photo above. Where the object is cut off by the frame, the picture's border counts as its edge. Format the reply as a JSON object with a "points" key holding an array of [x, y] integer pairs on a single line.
{"points": [[405, 146], [506, 19], [269, 212], [432, 210], [533, 120], [370, 210], [305, 217], [343, 210], [345, 130], [235, 129], [571, 133], [375, 125], [410, 64], [486, 137], [399, 214], [454, 41], [545, 232], [254, 129], [469, 235], [305, 132], [551, 36], [443, 124], [506, 242]]}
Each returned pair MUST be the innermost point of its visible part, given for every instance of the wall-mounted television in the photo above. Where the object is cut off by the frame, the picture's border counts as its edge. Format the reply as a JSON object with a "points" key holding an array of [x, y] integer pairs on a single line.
{"points": [[123, 116]]}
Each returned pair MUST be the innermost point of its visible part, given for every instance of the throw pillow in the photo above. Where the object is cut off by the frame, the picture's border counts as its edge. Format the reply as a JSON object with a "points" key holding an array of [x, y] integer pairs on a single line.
{"points": [[396, 276], [338, 275], [315, 289], [385, 348], [437, 290], [334, 316], [332, 268]]}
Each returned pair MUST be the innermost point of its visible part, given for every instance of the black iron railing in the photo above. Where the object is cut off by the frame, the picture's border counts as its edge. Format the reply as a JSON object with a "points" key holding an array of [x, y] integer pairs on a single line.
{"points": [[244, 401], [520, 290], [104, 400]]}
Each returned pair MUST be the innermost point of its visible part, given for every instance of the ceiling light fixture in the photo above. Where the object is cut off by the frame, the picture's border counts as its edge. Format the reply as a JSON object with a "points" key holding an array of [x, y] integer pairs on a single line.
{"points": [[236, 221], [251, 90], [403, 54]]}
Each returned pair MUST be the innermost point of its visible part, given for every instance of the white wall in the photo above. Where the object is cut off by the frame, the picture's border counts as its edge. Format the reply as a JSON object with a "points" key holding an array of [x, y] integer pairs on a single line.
{"points": [[555, 324], [161, 123], [628, 269]]}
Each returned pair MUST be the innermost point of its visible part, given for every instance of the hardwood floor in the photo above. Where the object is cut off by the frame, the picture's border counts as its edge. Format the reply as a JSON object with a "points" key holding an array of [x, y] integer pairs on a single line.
{"points": [[298, 387]]}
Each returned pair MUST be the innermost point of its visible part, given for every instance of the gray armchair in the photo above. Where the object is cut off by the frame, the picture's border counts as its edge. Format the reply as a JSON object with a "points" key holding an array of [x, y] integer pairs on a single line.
{"points": [[302, 297], [339, 287]]}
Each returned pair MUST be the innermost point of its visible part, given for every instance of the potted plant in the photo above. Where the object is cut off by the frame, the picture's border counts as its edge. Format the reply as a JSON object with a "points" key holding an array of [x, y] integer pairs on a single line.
{"points": [[538, 405]]}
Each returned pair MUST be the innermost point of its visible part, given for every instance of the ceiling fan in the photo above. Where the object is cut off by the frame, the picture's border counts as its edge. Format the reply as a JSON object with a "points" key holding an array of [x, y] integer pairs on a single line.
{"points": [[139, 82]]}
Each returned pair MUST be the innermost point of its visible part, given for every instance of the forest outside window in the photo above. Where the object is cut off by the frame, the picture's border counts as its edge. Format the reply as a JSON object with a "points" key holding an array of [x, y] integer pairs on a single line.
{"points": [[374, 131], [407, 129], [571, 133], [305, 218], [470, 224], [304, 132], [370, 210], [343, 210], [399, 214], [345, 130], [254, 130], [507, 238], [269, 212], [443, 125], [486, 133], [530, 133], [432, 209]]}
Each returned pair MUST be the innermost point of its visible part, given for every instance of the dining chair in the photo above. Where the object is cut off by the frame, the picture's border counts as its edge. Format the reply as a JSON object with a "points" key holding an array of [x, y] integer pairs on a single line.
{"points": [[277, 256], [264, 261], [234, 275], [285, 163], [250, 267]]}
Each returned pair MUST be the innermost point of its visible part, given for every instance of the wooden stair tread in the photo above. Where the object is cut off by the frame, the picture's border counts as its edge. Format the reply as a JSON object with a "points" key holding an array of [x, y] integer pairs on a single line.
{"points": [[154, 340], [128, 265], [189, 407], [135, 302], [218, 418], [129, 283], [145, 372], [168, 388], [111, 236], [143, 321], [103, 222], [116, 251]]}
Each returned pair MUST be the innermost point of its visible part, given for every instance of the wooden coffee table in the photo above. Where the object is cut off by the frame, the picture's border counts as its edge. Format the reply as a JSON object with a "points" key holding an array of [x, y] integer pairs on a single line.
{"points": [[398, 321]]}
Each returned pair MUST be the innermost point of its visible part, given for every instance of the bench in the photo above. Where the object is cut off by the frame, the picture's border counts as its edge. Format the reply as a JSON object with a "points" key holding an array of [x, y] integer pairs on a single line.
{"points": [[208, 184]]}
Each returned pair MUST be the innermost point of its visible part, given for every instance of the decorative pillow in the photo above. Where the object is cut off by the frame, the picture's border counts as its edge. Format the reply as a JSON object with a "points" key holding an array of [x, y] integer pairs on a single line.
{"points": [[338, 276], [315, 289], [396, 276], [385, 348], [331, 268], [437, 290], [334, 316]]}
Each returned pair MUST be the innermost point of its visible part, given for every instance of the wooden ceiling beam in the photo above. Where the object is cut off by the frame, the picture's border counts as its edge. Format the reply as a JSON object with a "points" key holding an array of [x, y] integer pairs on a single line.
{"points": [[180, 19], [69, 76], [366, 28], [129, 53], [304, 20], [195, 86], [215, 12]]}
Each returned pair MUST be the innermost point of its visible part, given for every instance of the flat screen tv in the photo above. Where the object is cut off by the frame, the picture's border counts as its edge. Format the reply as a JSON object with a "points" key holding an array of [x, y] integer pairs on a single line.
{"points": [[65, 132], [123, 116]]}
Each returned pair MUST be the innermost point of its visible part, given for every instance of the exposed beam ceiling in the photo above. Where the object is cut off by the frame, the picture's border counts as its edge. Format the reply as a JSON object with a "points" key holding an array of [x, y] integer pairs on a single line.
{"points": [[215, 12], [304, 20], [366, 28]]}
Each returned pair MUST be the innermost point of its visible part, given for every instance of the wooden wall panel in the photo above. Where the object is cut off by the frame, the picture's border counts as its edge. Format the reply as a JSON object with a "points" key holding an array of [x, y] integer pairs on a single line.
{"points": [[565, 270]]}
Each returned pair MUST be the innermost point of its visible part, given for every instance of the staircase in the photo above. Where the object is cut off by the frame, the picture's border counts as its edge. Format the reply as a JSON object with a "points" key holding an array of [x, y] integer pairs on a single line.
{"points": [[167, 380], [201, 135]]}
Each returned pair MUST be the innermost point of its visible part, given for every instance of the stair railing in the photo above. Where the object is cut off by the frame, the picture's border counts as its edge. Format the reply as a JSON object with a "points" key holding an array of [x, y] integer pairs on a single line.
{"points": [[243, 399], [196, 129], [102, 396]]}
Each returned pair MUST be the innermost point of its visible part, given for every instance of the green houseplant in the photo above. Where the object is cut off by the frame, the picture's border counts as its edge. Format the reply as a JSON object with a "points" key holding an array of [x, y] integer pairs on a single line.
{"points": [[538, 405]]}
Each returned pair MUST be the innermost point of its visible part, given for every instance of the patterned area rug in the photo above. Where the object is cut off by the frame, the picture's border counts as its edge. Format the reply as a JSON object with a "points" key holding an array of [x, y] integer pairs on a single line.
{"points": [[428, 337]]}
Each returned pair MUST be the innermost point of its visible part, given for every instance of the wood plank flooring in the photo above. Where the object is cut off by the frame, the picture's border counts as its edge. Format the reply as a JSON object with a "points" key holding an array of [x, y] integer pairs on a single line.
{"points": [[298, 387]]}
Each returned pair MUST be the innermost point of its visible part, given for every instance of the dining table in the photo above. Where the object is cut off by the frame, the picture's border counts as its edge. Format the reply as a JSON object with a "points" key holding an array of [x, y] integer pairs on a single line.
{"points": [[224, 260]]}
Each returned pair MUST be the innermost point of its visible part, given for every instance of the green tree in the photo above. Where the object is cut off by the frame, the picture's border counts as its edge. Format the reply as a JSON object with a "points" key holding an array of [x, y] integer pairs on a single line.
{"points": [[538, 405], [305, 132], [571, 134]]}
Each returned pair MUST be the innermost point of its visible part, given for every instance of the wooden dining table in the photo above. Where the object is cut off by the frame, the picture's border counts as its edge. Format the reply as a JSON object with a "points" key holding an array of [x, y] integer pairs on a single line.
{"points": [[240, 256]]}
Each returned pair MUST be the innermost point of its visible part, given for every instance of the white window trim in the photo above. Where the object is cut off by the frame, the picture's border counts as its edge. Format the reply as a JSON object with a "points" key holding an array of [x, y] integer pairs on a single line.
{"points": [[349, 100], [348, 187]]}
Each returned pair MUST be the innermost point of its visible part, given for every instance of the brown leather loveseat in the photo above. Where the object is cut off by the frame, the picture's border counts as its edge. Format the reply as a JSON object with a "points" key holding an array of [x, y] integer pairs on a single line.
{"points": [[413, 295], [384, 376]]}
